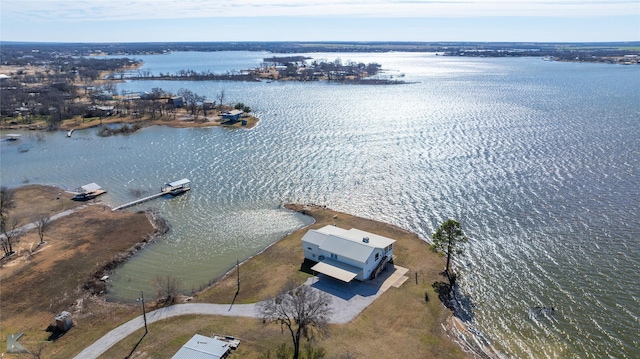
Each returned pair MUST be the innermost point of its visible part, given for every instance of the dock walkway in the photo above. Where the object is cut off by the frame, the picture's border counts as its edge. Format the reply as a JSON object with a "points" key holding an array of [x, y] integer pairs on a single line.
{"points": [[173, 188], [138, 201]]}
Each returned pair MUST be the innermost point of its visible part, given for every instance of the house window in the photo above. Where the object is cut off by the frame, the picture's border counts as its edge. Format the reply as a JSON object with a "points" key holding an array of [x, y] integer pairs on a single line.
{"points": [[334, 256], [377, 256]]}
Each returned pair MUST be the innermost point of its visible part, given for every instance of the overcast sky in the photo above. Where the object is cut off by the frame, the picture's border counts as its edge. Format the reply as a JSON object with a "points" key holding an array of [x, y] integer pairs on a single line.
{"points": [[319, 20]]}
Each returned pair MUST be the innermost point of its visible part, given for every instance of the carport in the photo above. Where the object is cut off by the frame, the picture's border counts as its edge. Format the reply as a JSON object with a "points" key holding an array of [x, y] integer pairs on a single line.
{"points": [[337, 270]]}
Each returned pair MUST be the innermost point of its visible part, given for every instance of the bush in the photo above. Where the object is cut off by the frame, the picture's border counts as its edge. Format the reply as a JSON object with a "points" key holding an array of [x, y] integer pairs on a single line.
{"points": [[168, 288], [243, 107]]}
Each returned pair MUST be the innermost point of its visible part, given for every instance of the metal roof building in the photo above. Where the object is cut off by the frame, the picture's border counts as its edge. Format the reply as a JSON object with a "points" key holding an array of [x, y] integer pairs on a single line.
{"points": [[201, 347], [91, 187], [347, 254]]}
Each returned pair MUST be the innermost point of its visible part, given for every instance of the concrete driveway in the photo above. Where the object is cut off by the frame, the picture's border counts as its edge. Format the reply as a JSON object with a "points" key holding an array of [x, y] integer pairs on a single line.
{"points": [[348, 300], [126, 329]]}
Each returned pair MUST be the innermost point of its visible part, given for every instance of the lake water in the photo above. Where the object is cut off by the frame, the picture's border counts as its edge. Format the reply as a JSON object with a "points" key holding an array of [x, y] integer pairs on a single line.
{"points": [[538, 160]]}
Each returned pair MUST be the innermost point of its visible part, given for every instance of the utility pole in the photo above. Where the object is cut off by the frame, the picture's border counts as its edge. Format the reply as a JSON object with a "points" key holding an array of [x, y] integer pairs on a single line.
{"points": [[238, 271], [144, 312]]}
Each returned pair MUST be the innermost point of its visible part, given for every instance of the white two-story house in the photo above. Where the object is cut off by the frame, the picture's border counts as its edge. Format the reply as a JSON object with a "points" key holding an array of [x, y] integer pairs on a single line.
{"points": [[347, 254]]}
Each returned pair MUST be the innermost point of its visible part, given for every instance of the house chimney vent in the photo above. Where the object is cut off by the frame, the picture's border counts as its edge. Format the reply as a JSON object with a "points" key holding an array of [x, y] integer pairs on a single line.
{"points": [[365, 239]]}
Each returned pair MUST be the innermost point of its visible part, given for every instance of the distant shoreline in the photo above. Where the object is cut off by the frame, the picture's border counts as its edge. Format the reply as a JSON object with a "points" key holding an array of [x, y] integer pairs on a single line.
{"points": [[291, 47]]}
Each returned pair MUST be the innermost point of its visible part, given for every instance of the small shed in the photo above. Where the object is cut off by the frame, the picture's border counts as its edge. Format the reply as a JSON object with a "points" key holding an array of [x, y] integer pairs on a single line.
{"points": [[64, 321], [202, 347]]}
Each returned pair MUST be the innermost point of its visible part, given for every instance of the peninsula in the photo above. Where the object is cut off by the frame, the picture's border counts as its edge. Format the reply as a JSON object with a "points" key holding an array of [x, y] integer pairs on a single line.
{"points": [[415, 322], [54, 91]]}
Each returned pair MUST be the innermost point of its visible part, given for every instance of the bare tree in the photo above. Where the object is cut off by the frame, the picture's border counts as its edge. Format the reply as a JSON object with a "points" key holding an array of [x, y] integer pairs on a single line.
{"points": [[221, 97], [10, 235], [303, 310], [206, 106], [6, 201], [167, 288], [157, 93], [110, 88], [192, 101], [42, 222], [37, 352]]}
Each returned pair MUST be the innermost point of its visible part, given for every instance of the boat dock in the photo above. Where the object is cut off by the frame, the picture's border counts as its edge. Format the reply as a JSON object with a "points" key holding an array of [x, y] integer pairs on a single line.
{"points": [[173, 188], [13, 136], [88, 192]]}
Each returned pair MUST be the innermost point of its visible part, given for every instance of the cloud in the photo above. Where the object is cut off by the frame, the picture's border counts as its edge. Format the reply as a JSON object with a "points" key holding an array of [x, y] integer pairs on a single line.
{"points": [[99, 10]]}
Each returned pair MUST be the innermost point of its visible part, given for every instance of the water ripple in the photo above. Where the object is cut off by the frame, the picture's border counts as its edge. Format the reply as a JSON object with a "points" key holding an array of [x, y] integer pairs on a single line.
{"points": [[538, 160]]}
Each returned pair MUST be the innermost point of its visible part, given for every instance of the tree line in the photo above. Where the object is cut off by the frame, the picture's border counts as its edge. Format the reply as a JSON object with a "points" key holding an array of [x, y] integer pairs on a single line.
{"points": [[289, 67], [50, 91]]}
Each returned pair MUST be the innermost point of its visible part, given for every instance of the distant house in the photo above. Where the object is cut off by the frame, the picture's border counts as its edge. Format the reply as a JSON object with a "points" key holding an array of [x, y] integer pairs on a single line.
{"points": [[176, 101], [202, 347], [347, 254], [100, 111], [103, 96], [232, 116], [131, 98]]}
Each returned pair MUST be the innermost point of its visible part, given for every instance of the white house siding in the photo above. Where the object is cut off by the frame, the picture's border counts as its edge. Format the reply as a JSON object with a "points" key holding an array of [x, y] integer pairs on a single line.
{"points": [[347, 246], [312, 251]]}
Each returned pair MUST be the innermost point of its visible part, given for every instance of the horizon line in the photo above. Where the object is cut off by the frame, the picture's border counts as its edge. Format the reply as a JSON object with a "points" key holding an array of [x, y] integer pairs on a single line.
{"points": [[324, 42]]}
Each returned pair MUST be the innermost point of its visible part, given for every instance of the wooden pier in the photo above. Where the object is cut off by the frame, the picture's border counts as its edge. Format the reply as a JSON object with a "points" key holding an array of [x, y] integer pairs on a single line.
{"points": [[138, 201], [172, 188]]}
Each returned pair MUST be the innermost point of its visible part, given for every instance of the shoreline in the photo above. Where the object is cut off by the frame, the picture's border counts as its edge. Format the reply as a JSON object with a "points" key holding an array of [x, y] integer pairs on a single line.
{"points": [[283, 260], [183, 121], [115, 112]]}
